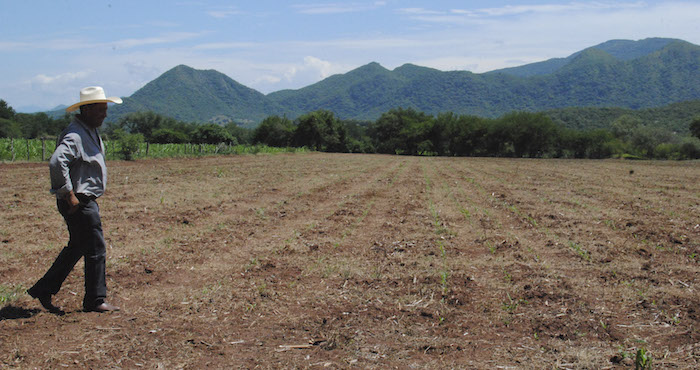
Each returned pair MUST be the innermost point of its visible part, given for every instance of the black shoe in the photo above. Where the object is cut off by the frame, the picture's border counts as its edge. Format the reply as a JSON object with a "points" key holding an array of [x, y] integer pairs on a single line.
{"points": [[102, 307], [45, 300]]}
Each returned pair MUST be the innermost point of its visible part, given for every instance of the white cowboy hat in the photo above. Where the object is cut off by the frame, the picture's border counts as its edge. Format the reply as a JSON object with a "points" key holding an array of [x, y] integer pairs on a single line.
{"points": [[93, 94]]}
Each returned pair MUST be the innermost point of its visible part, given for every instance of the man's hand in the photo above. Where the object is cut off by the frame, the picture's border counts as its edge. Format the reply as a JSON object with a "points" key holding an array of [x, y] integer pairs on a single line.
{"points": [[73, 202]]}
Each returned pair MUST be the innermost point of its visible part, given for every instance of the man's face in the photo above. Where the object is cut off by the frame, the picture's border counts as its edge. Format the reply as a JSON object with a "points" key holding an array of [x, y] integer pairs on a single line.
{"points": [[93, 114]]}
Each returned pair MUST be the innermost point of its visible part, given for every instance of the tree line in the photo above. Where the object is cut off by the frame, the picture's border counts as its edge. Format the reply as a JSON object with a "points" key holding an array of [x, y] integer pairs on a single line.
{"points": [[398, 131]]}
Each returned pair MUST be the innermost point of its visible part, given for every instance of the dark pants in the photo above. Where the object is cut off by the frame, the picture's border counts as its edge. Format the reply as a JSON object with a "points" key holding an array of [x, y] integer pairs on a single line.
{"points": [[86, 240]]}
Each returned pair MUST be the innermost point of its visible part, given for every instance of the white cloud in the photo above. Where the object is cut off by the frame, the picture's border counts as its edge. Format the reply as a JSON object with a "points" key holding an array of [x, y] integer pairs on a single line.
{"points": [[50, 45], [69, 77], [68, 44], [227, 45], [267, 79], [420, 11], [337, 8], [324, 68], [311, 69], [554, 8], [468, 16], [223, 13], [163, 24], [474, 64], [167, 38], [372, 44], [7, 46]]}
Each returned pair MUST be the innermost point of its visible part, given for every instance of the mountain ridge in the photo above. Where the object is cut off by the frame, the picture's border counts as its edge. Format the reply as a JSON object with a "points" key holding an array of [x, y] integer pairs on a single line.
{"points": [[630, 74]]}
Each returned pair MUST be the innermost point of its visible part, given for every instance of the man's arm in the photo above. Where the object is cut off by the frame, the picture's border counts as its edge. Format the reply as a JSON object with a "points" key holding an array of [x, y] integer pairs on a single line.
{"points": [[59, 167]]}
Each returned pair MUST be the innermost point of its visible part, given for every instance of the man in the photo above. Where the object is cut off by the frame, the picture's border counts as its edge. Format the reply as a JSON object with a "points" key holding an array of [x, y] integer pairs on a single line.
{"points": [[78, 178]]}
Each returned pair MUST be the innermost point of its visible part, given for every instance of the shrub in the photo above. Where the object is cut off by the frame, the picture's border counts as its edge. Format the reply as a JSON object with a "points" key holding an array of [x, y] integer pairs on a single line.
{"points": [[690, 148], [128, 143]]}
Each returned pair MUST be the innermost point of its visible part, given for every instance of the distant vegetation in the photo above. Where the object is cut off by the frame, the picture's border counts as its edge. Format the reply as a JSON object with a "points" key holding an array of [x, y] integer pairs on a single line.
{"points": [[629, 134], [674, 117]]}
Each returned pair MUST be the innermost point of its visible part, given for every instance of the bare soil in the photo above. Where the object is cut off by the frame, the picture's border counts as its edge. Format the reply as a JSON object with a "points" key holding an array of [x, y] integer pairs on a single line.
{"points": [[367, 261]]}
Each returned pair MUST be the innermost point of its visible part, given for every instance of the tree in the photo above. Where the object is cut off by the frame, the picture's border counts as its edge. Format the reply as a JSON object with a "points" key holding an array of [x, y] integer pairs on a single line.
{"points": [[241, 134], [601, 144], [498, 141], [274, 131], [145, 123], [690, 148], [167, 135], [444, 132], [6, 111], [385, 132], [212, 133], [402, 131], [645, 139], [57, 125], [624, 125], [33, 125], [357, 140], [9, 128], [322, 131], [532, 134], [695, 127], [470, 136], [416, 133]]}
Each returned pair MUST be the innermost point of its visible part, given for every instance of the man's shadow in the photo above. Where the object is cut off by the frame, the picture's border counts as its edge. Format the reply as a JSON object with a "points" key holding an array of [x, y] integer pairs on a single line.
{"points": [[13, 313]]}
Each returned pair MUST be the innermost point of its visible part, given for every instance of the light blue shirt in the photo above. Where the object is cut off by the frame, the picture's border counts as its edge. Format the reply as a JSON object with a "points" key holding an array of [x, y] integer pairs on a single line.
{"points": [[78, 163]]}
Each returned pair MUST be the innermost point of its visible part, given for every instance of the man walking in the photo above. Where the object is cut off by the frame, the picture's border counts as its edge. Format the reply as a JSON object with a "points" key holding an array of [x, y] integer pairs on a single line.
{"points": [[78, 178]]}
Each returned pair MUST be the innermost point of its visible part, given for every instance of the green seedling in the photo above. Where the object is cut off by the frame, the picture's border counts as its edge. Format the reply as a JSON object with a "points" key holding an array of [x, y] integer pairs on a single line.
{"points": [[610, 224], [252, 263], [580, 251], [512, 304], [443, 281], [642, 359], [507, 276]]}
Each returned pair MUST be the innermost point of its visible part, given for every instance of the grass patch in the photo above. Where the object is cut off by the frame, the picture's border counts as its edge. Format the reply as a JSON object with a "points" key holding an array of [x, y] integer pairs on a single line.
{"points": [[10, 293]]}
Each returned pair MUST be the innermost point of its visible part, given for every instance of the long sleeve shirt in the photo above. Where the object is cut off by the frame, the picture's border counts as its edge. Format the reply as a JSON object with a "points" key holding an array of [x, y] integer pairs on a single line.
{"points": [[78, 163]]}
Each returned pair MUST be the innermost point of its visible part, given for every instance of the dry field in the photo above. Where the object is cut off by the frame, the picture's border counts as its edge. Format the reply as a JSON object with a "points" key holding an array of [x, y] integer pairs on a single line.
{"points": [[367, 261]]}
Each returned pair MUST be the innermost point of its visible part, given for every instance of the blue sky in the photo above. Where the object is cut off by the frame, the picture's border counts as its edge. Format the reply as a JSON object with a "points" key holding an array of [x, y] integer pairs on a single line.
{"points": [[49, 49]]}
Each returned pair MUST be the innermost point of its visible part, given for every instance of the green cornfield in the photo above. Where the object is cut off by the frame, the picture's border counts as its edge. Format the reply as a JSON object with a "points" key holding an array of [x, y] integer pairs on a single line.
{"points": [[35, 150]]}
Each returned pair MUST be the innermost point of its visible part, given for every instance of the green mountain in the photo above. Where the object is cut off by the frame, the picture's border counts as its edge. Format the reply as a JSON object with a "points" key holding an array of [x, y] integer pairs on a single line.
{"points": [[363, 93], [618, 73], [187, 94], [620, 49]]}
